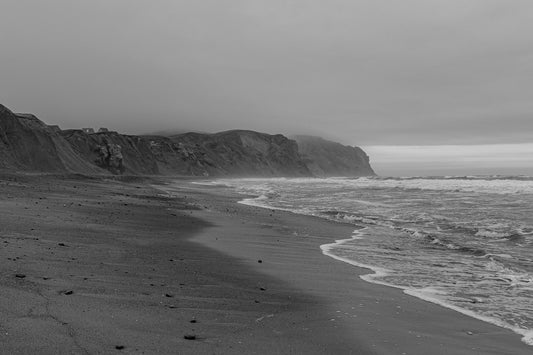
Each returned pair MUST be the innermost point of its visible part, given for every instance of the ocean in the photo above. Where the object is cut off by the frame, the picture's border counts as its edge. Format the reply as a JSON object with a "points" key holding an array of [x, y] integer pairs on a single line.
{"points": [[465, 243]]}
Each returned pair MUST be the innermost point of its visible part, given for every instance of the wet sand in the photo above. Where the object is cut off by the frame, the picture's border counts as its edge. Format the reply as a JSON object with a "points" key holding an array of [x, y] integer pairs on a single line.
{"points": [[92, 266]]}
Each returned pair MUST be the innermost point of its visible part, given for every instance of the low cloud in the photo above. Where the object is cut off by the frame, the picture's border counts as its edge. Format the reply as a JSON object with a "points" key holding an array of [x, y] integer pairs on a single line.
{"points": [[369, 72]]}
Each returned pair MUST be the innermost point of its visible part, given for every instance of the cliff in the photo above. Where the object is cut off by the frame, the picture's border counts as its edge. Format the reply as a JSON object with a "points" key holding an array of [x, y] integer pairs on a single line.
{"points": [[28, 144], [325, 158], [238, 153], [232, 153], [117, 153]]}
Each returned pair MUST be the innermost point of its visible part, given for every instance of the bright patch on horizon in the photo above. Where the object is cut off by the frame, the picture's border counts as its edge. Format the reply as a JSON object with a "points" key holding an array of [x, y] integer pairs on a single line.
{"points": [[492, 159]]}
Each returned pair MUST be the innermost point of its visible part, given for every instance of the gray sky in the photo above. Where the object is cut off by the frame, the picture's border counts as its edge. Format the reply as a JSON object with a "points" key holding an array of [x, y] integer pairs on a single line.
{"points": [[371, 72]]}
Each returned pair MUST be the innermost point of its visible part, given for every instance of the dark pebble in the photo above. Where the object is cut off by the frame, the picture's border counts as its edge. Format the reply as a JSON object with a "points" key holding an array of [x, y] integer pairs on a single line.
{"points": [[61, 244], [193, 321], [168, 295], [259, 261], [20, 276], [263, 289], [119, 347], [69, 292], [189, 337]]}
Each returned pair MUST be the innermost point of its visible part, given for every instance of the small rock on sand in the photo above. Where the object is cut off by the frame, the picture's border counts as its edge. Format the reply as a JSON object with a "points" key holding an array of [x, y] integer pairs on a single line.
{"points": [[20, 276], [189, 337]]}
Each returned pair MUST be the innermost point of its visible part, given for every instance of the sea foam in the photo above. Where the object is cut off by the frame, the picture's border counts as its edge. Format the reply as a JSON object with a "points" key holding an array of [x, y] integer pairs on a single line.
{"points": [[459, 242], [428, 294]]}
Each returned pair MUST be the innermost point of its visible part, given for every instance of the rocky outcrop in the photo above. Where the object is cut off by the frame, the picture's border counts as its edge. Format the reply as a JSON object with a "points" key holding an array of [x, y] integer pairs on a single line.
{"points": [[111, 158], [325, 158], [117, 153]]}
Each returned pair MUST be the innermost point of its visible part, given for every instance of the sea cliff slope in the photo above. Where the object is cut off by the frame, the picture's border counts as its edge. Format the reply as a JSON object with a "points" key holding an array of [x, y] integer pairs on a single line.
{"points": [[327, 158], [239, 153], [28, 144]]}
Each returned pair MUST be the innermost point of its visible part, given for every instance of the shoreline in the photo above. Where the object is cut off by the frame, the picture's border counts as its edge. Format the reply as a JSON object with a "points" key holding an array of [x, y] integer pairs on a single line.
{"points": [[527, 336], [93, 265], [481, 336], [375, 272]]}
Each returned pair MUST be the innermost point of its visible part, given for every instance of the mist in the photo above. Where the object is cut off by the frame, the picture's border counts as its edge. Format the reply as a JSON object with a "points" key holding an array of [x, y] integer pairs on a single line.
{"points": [[370, 73]]}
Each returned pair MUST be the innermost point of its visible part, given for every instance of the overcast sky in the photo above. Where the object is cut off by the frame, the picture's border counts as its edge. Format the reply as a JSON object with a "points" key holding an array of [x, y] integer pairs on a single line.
{"points": [[374, 72]]}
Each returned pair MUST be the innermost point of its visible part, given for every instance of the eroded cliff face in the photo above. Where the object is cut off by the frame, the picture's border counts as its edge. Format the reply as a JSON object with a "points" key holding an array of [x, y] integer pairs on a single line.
{"points": [[231, 153], [237, 153], [114, 152], [26, 143], [326, 158]]}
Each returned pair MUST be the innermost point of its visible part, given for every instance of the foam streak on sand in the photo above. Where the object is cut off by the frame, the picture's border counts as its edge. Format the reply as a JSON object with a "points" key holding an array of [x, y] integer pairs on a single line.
{"points": [[378, 272], [427, 294]]}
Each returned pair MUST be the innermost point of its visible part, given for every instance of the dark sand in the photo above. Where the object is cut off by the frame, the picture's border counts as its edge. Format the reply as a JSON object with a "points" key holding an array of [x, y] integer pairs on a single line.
{"points": [[96, 267]]}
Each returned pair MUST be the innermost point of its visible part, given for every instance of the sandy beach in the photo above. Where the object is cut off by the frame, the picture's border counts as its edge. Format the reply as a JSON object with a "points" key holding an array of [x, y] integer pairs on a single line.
{"points": [[98, 266]]}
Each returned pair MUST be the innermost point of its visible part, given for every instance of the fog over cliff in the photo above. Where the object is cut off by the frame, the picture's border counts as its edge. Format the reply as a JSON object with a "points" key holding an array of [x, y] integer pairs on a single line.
{"points": [[368, 72]]}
